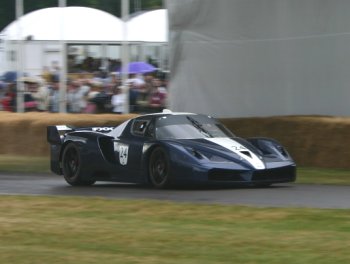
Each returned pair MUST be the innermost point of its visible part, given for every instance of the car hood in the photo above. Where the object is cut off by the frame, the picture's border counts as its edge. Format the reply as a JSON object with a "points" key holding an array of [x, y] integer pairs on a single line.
{"points": [[229, 148]]}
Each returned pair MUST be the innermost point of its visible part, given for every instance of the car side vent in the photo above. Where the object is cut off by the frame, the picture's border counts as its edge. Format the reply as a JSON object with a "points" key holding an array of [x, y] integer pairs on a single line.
{"points": [[247, 153], [107, 149]]}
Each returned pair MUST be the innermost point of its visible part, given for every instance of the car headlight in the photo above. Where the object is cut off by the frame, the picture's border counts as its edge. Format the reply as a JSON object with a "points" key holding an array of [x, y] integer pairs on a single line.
{"points": [[275, 148]]}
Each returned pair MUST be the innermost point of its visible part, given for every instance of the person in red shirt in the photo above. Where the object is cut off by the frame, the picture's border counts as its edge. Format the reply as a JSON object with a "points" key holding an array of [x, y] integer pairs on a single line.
{"points": [[158, 96], [8, 102]]}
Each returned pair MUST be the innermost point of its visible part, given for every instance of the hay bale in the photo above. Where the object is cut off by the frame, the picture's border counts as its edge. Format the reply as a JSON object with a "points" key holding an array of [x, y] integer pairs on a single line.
{"points": [[318, 141], [25, 134], [311, 140]]}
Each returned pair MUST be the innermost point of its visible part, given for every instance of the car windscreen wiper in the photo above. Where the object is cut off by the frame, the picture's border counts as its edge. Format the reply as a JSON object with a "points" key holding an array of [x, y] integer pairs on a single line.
{"points": [[199, 126]]}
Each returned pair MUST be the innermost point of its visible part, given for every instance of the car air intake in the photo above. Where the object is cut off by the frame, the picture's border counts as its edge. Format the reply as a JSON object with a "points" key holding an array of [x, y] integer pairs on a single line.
{"points": [[277, 174], [106, 146], [225, 175]]}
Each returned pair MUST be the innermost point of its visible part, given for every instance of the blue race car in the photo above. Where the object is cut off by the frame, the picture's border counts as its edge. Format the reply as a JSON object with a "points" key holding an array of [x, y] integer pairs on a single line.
{"points": [[164, 149]]}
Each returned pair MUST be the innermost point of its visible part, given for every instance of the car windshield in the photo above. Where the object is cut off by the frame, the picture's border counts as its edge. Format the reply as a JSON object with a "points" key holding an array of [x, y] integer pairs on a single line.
{"points": [[189, 127]]}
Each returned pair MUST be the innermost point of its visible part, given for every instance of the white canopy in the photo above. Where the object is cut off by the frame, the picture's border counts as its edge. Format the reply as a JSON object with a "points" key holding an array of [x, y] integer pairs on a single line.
{"points": [[151, 26], [79, 24], [88, 24]]}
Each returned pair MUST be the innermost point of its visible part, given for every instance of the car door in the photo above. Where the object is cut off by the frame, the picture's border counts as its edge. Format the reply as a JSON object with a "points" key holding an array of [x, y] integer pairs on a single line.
{"points": [[129, 147]]}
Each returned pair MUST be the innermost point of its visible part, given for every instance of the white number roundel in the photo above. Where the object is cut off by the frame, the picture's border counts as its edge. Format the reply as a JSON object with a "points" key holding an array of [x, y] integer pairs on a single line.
{"points": [[123, 154]]}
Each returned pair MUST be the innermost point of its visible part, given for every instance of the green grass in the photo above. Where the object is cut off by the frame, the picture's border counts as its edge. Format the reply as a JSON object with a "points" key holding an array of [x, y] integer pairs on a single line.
{"points": [[24, 164], [11, 163], [95, 230], [323, 176]]}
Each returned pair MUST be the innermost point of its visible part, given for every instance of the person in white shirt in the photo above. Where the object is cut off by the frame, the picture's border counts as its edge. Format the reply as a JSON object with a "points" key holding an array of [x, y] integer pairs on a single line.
{"points": [[118, 100], [39, 91]]}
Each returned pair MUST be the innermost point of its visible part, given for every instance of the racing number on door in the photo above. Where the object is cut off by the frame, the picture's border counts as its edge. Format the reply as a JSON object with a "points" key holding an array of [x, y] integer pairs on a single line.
{"points": [[123, 154]]}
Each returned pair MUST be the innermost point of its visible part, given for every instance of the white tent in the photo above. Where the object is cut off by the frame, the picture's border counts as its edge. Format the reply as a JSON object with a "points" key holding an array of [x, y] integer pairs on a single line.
{"points": [[44, 28], [79, 24], [88, 24], [150, 26]]}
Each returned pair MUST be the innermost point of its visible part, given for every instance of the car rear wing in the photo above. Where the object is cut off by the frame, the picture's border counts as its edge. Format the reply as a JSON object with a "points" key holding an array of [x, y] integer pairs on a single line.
{"points": [[55, 133]]}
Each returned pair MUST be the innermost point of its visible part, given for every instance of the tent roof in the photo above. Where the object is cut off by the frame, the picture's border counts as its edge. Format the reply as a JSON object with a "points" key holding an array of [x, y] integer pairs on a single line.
{"points": [[88, 24], [80, 24], [150, 26]]}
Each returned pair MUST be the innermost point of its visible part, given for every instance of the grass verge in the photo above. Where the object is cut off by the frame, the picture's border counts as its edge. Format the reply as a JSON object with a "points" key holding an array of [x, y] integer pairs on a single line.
{"points": [[95, 230], [24, 164], [323, 176]]}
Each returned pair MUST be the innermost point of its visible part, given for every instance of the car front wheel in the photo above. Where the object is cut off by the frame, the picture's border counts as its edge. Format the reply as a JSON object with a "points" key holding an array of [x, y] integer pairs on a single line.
{"points": [[159, 168]]}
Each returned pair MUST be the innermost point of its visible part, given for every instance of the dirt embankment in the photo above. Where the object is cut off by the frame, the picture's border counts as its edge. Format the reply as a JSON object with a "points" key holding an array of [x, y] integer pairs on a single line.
{"points": [[312, 141]]}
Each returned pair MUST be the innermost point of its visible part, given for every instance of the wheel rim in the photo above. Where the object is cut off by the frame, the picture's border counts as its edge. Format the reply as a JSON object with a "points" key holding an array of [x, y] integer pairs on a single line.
{"points": [[159, 168], [71, 163]]}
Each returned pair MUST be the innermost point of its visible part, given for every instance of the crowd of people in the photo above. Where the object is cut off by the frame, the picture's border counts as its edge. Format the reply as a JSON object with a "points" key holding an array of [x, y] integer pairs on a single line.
{"points": [[98, 93]]}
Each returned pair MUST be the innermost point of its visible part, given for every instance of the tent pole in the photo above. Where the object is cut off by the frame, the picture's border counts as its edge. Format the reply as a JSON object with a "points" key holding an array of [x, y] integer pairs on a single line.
{"points": [[63, 68], [20, 61], [125, 54]]}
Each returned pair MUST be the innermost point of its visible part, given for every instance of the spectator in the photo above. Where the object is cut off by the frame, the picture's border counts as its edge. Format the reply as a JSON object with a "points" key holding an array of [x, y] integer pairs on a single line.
{"points": [[118, 100], [74, 96], [84, 89], [54, 94], [114, 79], [99, 99], [55, 68], [8, 101], [133, 95], [158, 96], [93, 91], [136, 80], [40, 92], [30, 87], [102, 100], [46, 74], [2, 92], [148, 86]]}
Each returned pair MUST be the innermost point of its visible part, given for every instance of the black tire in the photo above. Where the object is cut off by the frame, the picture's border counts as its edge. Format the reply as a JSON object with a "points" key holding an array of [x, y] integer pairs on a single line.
{"points": [[71, 166], [159, 168]]}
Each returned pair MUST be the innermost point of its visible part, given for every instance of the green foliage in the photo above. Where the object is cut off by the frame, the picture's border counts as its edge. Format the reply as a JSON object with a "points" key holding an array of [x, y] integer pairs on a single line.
{"points": [[7, 13]]}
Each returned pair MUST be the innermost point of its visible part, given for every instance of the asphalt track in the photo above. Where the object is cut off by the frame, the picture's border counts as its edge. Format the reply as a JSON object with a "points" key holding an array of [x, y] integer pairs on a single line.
{"points": [[281, 195]]}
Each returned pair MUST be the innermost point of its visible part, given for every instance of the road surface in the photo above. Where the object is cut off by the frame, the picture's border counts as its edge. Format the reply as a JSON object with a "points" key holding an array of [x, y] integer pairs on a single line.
{"points": [[281, 195]]}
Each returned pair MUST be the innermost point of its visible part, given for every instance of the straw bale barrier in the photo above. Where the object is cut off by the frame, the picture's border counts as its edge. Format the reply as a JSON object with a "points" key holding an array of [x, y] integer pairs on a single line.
{"points": [[25, 134], [318, 141]]}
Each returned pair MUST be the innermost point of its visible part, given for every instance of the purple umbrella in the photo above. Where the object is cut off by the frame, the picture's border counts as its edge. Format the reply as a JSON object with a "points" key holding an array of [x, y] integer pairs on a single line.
{"points": [[140, 67]]}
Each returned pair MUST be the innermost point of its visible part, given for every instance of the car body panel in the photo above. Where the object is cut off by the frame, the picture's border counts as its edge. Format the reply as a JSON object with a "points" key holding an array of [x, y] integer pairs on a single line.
{"points": [[213, 155]]}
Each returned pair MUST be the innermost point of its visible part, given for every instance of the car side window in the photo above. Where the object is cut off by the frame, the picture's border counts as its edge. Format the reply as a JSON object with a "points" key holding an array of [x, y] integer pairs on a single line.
{"points": [[139, 127], [150, 130]]}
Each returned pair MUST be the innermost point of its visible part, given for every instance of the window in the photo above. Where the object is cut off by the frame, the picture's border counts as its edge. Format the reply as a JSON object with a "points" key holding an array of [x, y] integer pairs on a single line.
{"points": [[139, 127]]}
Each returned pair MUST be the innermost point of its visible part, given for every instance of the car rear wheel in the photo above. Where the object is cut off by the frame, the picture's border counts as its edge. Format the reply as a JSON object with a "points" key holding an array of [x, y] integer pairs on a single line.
{"points": [[71, 162], [159, 168]]}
